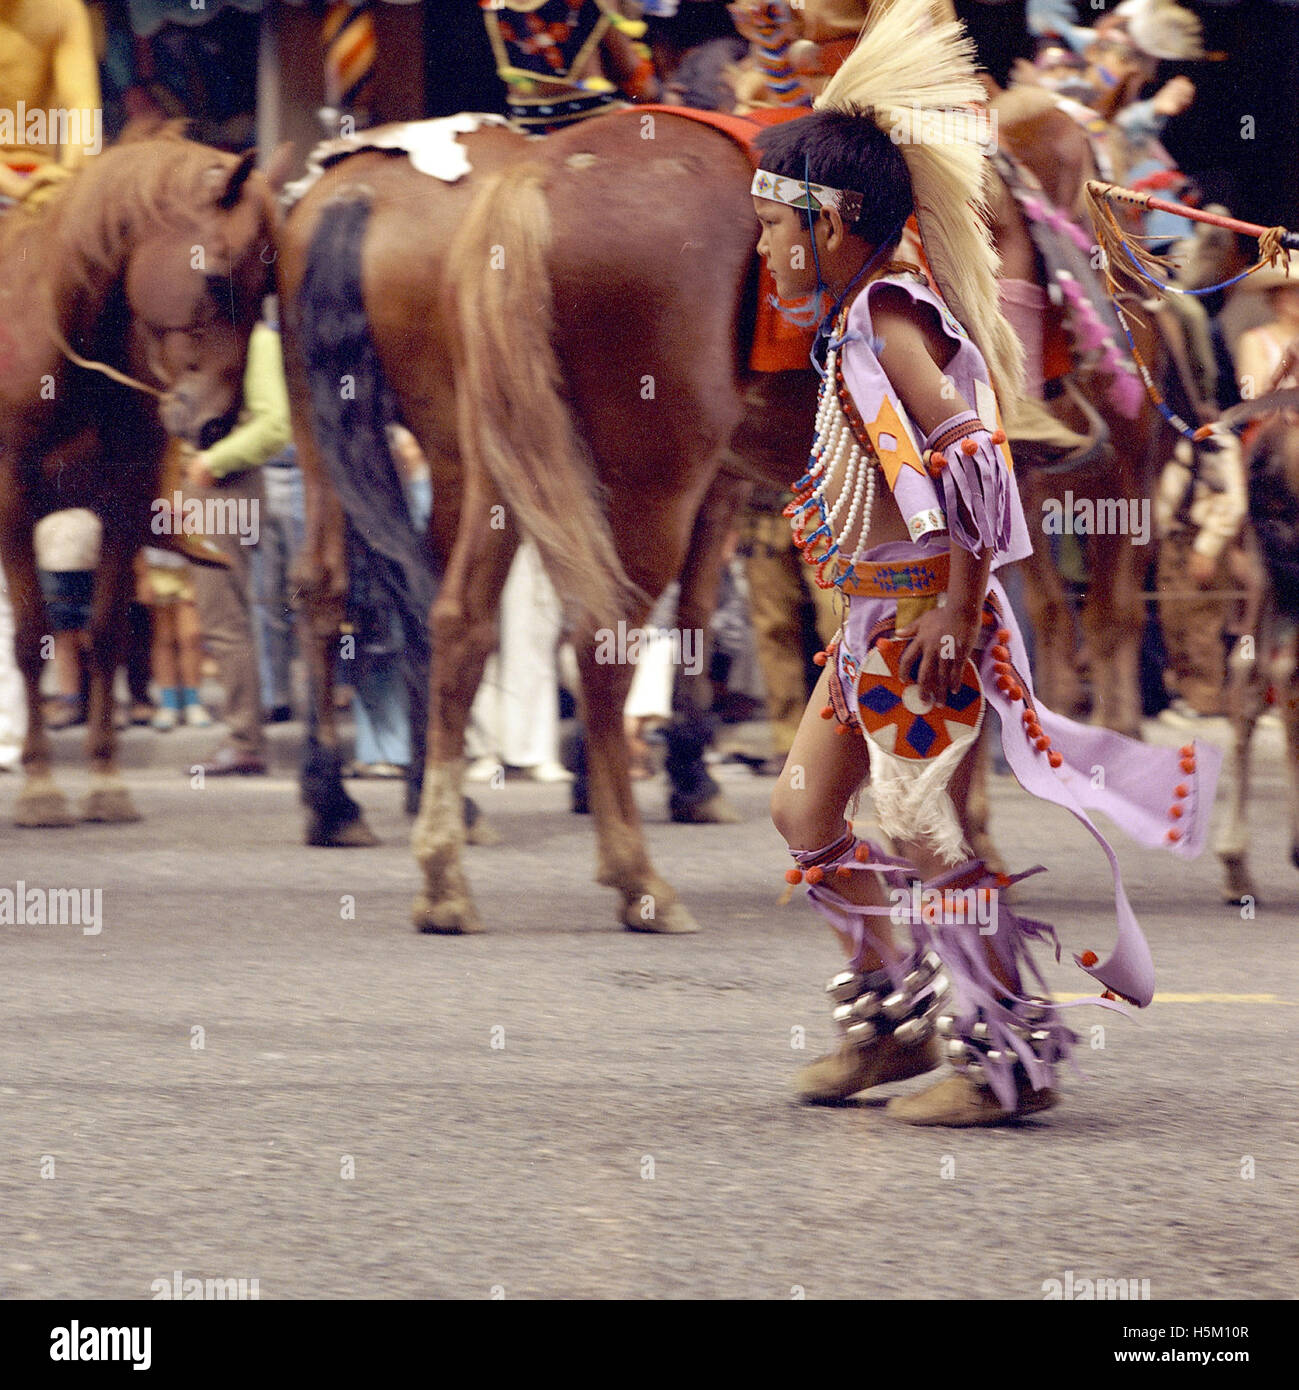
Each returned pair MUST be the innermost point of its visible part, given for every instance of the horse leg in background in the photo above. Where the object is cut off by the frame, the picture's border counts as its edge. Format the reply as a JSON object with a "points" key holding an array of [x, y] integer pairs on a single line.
{"points": [[650, 904], [463, 629], [1286, 680], [695, 798], [970, 797], [1055, 666], [431, 423], [108, 798], [320, 587], [40, 802], [1246, 698], [1112, 619]]}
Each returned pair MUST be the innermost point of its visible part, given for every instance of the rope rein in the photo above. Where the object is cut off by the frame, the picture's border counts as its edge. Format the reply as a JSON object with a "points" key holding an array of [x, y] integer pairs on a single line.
{"points": [[112, 373], [1142, 265]]}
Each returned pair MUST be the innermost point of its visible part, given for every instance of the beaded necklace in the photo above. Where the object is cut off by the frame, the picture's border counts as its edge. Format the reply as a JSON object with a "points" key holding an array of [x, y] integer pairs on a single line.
{"points": [[841, 449]]}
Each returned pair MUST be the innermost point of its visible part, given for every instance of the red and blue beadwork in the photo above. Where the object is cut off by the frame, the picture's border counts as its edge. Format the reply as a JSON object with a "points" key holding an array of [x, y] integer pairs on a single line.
{"points": [[897, 717]]}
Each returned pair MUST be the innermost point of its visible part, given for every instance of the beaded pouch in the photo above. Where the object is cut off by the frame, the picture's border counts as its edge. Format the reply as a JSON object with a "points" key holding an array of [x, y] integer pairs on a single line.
{"points": [[915, 745]]}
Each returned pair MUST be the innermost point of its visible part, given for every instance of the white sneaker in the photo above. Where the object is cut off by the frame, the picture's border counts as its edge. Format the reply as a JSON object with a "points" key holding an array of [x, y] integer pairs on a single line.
{"points": [[549, 772], [197, 717], [164, 719], [482, 770]]}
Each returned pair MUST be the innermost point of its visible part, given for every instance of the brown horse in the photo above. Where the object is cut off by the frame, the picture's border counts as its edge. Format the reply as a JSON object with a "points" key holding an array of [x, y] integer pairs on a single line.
{"points": [[1121, 467], [572, 369], [151, 263], [549, 344]]}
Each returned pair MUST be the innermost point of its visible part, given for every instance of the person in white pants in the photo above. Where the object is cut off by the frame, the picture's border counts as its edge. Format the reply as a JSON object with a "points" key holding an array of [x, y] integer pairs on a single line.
{"points": [[515, 717], [13, 697]]}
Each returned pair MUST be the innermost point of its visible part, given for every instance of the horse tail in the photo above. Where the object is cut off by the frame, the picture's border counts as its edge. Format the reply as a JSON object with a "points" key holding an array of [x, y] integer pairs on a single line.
{"points": [[513, 421], [352, 406]]}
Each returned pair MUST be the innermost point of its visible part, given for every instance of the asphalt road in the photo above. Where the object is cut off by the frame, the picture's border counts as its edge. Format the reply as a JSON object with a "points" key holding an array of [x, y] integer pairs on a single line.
{"points": [[562, 1108]]}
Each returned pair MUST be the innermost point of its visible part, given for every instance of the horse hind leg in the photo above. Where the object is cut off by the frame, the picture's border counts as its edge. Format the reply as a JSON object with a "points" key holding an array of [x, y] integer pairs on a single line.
{"points": [[334, 820], [695, 798], [650, 904], [463, 627], [319, 577]]}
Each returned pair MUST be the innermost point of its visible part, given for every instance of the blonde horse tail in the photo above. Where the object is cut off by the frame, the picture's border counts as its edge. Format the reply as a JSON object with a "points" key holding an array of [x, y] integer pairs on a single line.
{"points": [[514, 424]]}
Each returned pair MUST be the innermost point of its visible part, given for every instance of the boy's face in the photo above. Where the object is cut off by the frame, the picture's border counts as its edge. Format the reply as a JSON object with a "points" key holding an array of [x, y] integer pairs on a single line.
{"points": [[787, 248]]}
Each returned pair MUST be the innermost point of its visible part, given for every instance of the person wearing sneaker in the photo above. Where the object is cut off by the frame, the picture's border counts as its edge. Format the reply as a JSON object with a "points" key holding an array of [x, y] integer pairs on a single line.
{"points": [[227, 478], [164, 585], [916, 357]]}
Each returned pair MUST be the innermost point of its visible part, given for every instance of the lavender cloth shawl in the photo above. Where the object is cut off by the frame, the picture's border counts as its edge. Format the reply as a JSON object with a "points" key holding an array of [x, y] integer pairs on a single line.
{"points": [[1133, 783]]}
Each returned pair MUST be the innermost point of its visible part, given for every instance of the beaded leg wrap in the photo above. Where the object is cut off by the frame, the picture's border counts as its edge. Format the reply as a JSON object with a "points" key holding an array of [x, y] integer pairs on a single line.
{"points": [[834, 864], [1000, 1038], [873, 1005], [986, 1047], [885, 1012]]}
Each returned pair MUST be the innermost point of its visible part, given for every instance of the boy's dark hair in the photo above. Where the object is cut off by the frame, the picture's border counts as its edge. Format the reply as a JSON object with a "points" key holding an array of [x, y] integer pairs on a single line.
{"points": [[844, 149]]}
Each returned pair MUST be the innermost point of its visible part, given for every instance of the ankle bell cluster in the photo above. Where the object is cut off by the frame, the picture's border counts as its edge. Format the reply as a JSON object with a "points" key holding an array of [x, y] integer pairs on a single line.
{"points": [[871, 1006], [976, 1045]]}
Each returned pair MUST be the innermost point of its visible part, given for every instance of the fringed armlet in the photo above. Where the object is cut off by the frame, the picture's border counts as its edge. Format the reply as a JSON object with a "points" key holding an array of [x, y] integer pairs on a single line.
{"points": [[964, 457]]}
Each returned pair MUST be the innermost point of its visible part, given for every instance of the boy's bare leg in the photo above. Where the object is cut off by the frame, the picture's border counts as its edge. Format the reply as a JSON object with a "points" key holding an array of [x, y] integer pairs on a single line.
{"points": [[823, 772]]}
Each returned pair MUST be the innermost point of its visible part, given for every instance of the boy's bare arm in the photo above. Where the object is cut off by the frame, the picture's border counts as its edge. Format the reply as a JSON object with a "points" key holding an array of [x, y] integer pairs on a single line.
{"points": [[906, 354]]}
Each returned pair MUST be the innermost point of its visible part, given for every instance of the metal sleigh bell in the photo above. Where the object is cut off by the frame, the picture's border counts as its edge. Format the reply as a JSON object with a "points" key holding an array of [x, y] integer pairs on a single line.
{"points": [[868, 1007]]}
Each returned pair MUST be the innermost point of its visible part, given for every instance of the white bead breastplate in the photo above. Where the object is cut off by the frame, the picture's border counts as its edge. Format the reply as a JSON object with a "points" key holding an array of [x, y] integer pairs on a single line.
{"points": [[834, 500]]}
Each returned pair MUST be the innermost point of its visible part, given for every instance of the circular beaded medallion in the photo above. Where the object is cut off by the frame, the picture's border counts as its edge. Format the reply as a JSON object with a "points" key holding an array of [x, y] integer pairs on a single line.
{"points": [[900, 720]]}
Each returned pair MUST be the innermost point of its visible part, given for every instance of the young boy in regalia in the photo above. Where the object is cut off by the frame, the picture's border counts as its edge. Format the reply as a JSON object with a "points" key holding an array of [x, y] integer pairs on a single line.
{"points": [[870, 210]]}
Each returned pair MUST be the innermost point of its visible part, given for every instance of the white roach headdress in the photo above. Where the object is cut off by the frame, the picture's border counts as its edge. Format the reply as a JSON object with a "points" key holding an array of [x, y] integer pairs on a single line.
{"points": [[1163, 29], [915, 75]]}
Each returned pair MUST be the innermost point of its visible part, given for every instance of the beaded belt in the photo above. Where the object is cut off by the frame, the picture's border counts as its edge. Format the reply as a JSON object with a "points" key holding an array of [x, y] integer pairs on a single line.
{"points": [[895, 578]]}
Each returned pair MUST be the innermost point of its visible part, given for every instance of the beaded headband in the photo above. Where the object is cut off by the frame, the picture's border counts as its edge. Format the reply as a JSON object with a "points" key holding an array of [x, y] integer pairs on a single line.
{"points": [[814, 197]]}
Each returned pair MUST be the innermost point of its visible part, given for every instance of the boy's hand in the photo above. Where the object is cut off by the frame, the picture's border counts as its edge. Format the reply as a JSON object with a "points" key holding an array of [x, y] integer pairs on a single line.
{"points": [[941, 640]]}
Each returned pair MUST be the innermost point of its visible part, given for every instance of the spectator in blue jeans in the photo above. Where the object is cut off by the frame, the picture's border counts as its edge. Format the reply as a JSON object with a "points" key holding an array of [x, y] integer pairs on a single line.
{"points": [[281, 534], [380, 708]]}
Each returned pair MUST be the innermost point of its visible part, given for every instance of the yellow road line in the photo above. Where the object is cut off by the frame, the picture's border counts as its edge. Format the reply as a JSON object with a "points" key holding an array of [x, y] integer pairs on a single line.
{"points": [[1201, 999]]}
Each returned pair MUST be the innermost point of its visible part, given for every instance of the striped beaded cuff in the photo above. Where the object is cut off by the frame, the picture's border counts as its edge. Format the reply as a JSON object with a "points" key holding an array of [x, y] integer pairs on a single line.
{"points": [[953, 431]]}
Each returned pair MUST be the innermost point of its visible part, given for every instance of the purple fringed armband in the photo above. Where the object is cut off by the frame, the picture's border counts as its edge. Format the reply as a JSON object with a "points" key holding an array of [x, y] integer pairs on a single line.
{"points": [[977, 486]]}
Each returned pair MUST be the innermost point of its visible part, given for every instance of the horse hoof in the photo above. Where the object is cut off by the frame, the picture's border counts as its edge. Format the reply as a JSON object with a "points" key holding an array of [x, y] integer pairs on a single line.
{"points": [[1238, 886], [44, 810], [109, 806], [482, 832], [451, 917], [673, 920], [353, 834], [715, 811]]}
